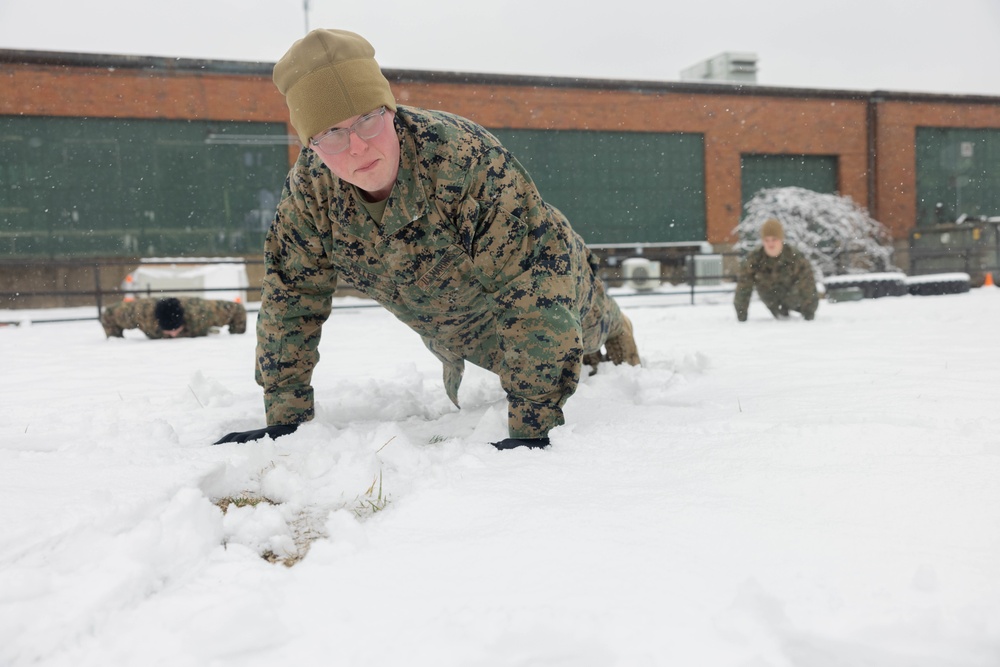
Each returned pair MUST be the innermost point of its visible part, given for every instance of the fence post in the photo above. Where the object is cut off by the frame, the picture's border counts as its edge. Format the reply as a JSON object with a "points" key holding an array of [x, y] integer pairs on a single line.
{"points": [[97, 288], [692, 278]]}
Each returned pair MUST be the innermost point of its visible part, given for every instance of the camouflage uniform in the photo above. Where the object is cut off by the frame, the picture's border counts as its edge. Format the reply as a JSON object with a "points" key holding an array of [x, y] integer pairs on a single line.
{"points": [[200, 316], [466, 254], [783, 283]]}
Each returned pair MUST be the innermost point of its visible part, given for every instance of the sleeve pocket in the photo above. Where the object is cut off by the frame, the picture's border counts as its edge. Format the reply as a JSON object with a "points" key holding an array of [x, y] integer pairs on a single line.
{"points": [[502, 252]]}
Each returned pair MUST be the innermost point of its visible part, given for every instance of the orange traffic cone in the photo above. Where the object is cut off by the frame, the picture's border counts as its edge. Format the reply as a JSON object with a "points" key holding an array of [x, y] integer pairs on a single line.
{"points": [[989, 280]]}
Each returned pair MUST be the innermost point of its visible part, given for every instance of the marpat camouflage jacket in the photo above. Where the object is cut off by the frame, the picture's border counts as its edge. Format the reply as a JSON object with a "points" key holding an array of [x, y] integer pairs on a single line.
{"points": [[786, 281], [467, 255], [200, 315]]}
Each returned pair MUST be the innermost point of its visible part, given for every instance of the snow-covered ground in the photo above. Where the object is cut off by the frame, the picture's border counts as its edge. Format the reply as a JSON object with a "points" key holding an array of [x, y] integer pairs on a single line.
{"points": [[771, 493]]}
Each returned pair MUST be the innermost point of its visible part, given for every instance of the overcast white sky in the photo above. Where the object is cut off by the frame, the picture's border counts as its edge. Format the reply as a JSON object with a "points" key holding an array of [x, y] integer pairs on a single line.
{"points": [[899, 45]]}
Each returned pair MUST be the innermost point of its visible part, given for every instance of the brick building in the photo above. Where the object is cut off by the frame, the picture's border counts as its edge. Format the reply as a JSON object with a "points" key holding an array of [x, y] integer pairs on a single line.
{"points": [[124, 156]]}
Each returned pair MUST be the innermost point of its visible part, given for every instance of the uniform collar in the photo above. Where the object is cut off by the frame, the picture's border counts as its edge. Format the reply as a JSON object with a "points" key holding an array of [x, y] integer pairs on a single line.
{"points": [[407, 201]]}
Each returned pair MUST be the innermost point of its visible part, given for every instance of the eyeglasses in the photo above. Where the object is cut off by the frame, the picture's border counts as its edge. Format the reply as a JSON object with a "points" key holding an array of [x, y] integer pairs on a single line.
{"points": [[338, 140]]}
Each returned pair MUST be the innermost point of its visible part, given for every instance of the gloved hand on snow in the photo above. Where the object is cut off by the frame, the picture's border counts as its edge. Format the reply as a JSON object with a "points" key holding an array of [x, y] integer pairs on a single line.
{"points": [[275, 431], [531, 443]]}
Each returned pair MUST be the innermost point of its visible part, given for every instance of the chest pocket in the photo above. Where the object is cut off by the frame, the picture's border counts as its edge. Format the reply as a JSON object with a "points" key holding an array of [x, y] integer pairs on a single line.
{"points": [[450, 280], [376, 286]]}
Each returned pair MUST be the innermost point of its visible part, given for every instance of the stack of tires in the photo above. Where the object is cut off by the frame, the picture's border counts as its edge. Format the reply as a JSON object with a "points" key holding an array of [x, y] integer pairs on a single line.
{"points": [[939, 283], [877, 285], [872, 285]]}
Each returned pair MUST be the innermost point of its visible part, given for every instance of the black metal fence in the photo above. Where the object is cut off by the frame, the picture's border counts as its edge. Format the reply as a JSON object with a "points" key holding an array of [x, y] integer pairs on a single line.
{"points": [[74, 283], [46, 284], [682, 273]]}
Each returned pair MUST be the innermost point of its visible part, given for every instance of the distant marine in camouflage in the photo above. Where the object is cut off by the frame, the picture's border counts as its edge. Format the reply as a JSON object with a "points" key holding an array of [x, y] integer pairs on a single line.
{"points": [[782, 276], [180, 317]]}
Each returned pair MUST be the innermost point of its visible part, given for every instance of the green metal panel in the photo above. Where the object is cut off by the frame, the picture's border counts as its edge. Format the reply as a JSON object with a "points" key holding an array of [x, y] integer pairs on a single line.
{"points": [[812, 172], [111, 187], [959, 169], [618, 187], [970, 247]]}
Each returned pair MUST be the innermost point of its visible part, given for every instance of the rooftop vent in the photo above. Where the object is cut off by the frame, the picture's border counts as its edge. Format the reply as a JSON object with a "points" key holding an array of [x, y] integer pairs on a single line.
{"points": [[728, 66]]}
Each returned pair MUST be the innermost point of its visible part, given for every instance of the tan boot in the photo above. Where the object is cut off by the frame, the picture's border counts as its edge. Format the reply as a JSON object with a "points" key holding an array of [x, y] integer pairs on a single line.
{"points": [[592, 360], [621, 348]]}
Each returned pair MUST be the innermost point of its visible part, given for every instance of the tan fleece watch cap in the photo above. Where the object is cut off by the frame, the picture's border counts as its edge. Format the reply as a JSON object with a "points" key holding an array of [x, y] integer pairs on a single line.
{"points": [[772, 228], [327, 77]]}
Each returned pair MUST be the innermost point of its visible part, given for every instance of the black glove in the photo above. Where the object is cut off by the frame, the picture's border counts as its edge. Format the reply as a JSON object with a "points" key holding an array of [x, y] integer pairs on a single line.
{"points": [[275, 431], [511, 443]]}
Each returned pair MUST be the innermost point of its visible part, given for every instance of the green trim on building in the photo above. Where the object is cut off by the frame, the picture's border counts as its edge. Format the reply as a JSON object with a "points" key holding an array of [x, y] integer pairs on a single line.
{"points": [[958, 168], [618, 187], [762, 171], [72, 187]]}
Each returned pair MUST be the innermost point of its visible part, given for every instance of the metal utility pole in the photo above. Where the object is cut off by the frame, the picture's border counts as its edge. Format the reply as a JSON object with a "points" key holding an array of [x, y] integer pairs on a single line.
{"points": [[305, 8]]}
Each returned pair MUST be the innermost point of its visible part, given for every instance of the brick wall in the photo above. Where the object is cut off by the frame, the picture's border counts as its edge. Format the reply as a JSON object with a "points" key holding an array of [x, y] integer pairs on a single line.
{"points": [[733, 120], [895, 132], [148, 93], [731, 124]]}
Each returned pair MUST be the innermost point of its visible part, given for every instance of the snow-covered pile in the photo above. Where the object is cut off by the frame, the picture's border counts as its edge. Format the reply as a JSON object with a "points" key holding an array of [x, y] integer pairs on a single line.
{"points": [[834, 233]]}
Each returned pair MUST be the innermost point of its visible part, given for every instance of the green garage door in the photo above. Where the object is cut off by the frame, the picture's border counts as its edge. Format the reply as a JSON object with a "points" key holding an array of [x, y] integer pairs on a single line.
{"points": [[812, 172], [618, 187], [101, 187], [958, 171]]}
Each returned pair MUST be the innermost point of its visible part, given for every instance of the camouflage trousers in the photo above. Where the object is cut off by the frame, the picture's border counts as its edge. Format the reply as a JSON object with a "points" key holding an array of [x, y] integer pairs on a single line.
{"points": [[526, 418]]}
